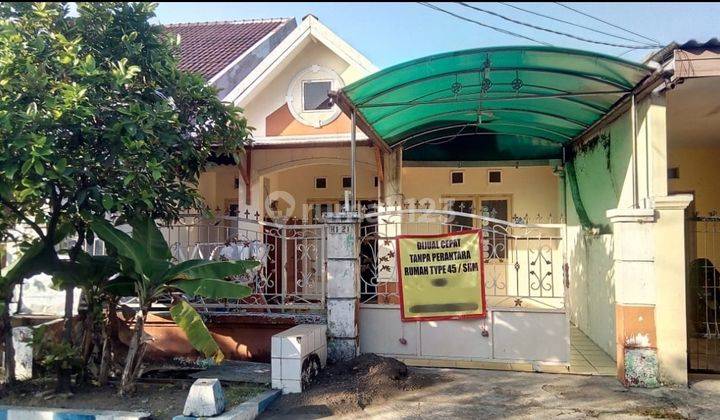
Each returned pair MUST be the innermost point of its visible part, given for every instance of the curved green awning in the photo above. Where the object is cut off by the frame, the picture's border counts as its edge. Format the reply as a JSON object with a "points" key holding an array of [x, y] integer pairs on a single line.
{"points": [[506, 103]]}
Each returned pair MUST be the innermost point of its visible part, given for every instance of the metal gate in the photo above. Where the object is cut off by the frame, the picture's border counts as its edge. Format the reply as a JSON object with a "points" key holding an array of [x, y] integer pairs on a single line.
{"points": [[703, 293], [523, 267]]}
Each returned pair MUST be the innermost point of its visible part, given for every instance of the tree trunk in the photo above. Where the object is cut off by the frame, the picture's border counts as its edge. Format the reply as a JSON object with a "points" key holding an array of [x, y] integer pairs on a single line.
{"points": [[88, 342], [134, 356], [64, 381], [105, 359], [69, 303], [64, 375], [107, 329], [113, 322], [9, 352]]}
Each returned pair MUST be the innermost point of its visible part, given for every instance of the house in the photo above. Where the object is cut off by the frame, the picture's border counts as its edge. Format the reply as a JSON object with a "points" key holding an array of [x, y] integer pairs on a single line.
{"points": [[590, 177], [576, 166]]}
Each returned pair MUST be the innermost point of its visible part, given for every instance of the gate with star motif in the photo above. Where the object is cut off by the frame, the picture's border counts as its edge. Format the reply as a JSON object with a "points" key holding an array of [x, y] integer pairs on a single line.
{"points": [[524, 285]]}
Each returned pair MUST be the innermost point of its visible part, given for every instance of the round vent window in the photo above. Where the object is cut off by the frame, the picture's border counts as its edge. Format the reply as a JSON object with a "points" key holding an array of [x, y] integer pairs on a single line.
{"points": [[307, 96]]}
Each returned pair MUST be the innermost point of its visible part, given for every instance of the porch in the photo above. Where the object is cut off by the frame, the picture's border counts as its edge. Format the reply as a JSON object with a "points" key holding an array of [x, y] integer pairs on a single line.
{"points": [[480, 139], [693, 151], [524, 290]]}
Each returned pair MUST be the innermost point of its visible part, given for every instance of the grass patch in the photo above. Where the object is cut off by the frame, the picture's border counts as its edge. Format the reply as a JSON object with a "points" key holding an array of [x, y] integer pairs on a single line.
{"points": [[238, 393]]}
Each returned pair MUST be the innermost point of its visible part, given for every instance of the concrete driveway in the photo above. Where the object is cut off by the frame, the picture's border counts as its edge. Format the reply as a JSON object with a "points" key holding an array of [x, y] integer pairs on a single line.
{"points": [[472, 394]]}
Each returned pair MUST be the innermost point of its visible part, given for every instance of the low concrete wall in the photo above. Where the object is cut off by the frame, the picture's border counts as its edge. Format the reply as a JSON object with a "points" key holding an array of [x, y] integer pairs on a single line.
{"points": [[241, 337], [508, 334]]}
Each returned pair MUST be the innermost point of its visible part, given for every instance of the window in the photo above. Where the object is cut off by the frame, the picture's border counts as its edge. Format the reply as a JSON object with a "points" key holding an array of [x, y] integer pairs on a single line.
{"points": [[347, 182], [375, 182], [457, 177], [460, 223], [494, 177], [673, 173], [307, 96], [320, 183], [495, 237], [318, 210], [315, 96]]}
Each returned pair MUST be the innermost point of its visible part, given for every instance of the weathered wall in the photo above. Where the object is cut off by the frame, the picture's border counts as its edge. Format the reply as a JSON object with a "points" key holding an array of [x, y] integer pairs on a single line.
{"points": [[591, 292], [604, 173], [604, 178]]}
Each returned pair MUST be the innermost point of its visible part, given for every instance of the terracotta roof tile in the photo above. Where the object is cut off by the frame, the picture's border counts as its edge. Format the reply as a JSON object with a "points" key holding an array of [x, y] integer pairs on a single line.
{"points": [[208, 47]]}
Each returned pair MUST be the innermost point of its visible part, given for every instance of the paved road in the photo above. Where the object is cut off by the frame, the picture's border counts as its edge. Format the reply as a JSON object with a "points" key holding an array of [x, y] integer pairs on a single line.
{"points": [[474, 394], [516, 395]]}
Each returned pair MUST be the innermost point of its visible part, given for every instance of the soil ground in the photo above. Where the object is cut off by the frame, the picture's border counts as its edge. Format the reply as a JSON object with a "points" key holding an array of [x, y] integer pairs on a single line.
{"points": [[368, 389], [163, 401], [349, 387]]}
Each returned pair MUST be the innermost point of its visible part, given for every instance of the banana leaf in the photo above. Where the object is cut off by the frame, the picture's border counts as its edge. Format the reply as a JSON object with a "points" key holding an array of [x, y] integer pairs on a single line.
{"points": [[121, 286], [212, 288], [36, 258], [124, 244], [148, 235], [90, 270], [197, 333], [200, 269]]}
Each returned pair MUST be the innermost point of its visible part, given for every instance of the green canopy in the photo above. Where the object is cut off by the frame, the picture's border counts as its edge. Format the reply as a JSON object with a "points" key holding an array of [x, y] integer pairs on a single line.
{"points": [[506, 103]]}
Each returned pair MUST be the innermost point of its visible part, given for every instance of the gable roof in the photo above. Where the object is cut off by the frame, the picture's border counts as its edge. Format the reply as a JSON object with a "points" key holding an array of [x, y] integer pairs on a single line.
{"points": [[209, 47], [309, 27]]}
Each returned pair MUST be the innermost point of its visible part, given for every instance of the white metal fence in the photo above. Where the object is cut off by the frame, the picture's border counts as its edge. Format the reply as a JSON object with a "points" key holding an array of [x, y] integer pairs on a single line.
{"points": [[292, 273], [523, 263], [292, 259]]}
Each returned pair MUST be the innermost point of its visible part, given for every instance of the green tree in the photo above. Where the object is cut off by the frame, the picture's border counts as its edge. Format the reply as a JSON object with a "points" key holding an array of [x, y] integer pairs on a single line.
{"points": [[96, 118], [149, 274]]}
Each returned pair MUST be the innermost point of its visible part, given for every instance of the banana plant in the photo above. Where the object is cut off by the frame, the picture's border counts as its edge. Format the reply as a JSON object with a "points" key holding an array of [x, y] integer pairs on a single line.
{"points": [[92, 273], [148, 272]]}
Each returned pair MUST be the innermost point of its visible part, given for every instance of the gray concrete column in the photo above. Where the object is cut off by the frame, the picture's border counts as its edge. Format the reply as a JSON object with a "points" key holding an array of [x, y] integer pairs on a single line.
{"points": [[343, 285]]}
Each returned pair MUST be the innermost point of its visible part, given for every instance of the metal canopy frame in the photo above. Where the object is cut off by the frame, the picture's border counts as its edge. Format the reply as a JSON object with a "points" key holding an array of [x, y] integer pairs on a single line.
{"points": [[521, 96]]}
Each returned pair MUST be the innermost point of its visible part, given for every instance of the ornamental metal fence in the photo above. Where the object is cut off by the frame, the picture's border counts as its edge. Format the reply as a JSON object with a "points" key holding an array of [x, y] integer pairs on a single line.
{"points": [[291, 276], [523, 263]]}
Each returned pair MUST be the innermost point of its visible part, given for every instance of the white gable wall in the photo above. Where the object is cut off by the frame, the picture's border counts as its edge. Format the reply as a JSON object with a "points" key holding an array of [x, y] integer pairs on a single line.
{"points": [[271, 93]]}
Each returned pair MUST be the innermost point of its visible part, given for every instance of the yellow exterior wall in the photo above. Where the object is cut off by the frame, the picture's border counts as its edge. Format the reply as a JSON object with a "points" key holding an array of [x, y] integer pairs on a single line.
{"points": [[217, 186], [604, 177], [699, 174], [532, 191], [300, 184], [671, 291]]}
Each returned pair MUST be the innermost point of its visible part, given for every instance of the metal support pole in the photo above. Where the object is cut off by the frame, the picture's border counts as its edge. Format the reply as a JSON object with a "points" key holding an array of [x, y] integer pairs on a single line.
{"points": [[353, 194], [633, 123]]}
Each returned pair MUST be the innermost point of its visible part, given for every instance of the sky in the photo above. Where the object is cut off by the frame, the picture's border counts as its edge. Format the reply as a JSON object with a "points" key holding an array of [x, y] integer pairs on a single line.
{"points": [[391, 33]]}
